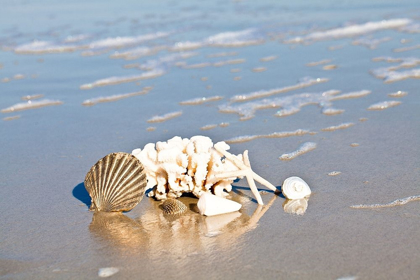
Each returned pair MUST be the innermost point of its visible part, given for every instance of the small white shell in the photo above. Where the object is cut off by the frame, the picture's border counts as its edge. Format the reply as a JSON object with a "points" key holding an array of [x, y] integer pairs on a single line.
{"points": [[211, 205], [295, 206], [295, 188]]}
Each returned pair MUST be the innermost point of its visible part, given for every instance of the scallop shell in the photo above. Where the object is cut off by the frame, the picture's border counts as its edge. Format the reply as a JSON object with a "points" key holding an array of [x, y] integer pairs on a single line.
{"points": [[116, 183], [173, 207], [295, 188]]}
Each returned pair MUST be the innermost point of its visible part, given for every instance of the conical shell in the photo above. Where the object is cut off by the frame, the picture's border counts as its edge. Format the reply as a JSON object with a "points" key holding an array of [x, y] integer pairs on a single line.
{"points": [[211, 205], [116, 183], [173, 207]]}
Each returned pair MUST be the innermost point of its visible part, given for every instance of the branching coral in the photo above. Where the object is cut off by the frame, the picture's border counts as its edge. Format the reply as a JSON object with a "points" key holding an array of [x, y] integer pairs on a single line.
{"points": [[194, 166]]}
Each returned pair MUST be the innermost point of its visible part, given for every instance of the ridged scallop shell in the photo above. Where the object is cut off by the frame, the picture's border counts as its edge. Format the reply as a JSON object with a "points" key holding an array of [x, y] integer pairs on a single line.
{"points": [[116, 183], [173, 207], [295, 188]]}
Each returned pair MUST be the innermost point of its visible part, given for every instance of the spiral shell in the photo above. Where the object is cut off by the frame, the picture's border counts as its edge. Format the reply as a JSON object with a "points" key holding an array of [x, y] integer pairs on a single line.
{"points": [[173, 207], [295, 188], [116, 183]]}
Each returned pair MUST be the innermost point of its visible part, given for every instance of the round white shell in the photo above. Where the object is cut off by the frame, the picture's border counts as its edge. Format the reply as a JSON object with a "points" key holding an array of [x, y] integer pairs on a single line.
{"points": [[295, 188], [210, 205]]}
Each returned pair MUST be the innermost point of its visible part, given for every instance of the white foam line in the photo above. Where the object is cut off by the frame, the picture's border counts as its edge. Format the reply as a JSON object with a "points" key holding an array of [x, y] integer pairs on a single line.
{"points": [[118, 42], [247, 138], [240, 38], [384, 105], [222, 54], [197, 65], [32, 97], [230, 61], [406, 48], [266, 93], [31, 105], [397, 202], [201, 100], [103, 99], [165, 61], [208, 127], [352, 30], [123, 79], [398, 94], [413, 27], [370, 43], [306, 147], [395, 76], [11, 118], [390, 75], [350, 95], [186, 46], [164, 117], [234, 39], [320, 62], [43, 47], [290, 104], [268, 58], [337, 127], [76, 38], [136, 52]]}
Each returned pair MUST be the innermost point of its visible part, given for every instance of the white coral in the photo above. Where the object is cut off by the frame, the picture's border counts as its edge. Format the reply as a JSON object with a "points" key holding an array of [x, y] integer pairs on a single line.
{"points": [[187, 166]]}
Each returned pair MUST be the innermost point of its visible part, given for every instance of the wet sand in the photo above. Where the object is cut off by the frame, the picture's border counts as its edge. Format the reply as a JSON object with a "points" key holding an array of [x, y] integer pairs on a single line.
{"points": [[47, 231]]}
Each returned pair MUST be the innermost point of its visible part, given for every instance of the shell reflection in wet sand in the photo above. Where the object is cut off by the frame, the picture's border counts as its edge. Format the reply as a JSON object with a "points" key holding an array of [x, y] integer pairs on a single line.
{"points": [[295, 206], [167, 236], [118, 230]]}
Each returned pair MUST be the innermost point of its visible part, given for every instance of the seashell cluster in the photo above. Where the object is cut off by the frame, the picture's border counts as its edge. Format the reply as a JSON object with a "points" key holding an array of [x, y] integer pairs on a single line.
{"points": [[182, 165], [116, 183], [295, 188], [173, 206]]}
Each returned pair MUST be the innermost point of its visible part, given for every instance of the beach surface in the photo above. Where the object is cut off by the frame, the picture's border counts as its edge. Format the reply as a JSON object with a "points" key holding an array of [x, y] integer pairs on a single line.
{"points": [[326, 91]]}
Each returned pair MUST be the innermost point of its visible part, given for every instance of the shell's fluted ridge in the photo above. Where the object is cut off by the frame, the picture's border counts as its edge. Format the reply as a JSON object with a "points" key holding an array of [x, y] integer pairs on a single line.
{"points": [[173, 207], [117, 182]]}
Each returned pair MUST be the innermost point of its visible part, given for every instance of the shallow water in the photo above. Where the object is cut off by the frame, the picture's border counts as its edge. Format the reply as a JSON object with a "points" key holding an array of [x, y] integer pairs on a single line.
{"points": [[193, 52]]}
